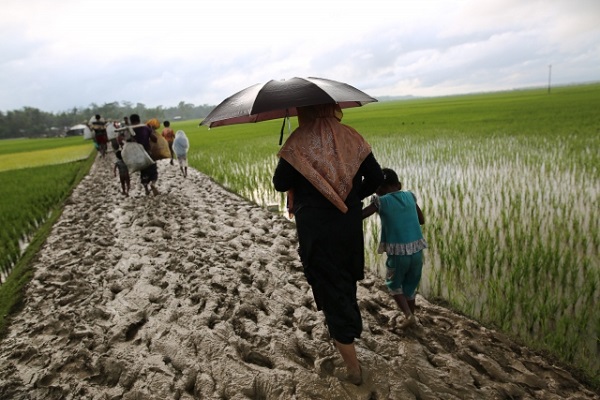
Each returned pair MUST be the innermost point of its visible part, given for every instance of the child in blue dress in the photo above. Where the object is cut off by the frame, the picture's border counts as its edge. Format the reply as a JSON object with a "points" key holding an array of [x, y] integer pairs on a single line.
{"points": [[401, 239]]}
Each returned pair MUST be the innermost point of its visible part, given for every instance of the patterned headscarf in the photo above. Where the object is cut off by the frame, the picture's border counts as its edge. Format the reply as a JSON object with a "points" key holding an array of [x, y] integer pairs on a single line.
{"points": [[325, 151]]}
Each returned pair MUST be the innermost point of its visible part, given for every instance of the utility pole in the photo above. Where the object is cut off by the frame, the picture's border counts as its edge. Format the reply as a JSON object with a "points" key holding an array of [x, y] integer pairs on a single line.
{"points": [[549, 76]]}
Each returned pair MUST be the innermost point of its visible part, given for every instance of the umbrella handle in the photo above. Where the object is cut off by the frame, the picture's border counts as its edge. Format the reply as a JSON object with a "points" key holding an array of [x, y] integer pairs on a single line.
{"points": [[283, 125]]}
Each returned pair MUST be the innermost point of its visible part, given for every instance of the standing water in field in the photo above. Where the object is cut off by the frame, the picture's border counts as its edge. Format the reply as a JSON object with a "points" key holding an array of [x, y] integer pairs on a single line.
{"points": [[514, 234], [513, 229]]}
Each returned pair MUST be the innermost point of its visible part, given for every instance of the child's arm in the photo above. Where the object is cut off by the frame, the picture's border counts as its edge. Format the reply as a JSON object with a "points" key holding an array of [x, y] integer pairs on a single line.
{"points": [[420, 214], [369, 210]]}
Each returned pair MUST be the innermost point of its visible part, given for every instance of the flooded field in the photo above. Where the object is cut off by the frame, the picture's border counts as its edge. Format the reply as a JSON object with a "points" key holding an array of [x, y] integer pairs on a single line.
{"points": [[510, 195]]}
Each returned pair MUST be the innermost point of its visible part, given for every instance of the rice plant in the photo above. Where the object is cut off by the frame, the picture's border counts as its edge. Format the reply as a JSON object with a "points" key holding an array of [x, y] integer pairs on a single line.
{"points": [[509, 238], [43, 157], [35, 176], [509, 184]]}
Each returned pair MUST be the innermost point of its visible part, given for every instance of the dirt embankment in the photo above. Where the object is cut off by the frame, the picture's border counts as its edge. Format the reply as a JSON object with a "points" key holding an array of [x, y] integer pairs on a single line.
{"points": [[198, 294]]}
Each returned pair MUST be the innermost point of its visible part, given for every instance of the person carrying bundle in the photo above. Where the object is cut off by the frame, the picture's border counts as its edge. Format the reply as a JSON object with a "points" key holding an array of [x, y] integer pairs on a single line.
{"points": [[181, 145], [143, 135], [98, 126]]}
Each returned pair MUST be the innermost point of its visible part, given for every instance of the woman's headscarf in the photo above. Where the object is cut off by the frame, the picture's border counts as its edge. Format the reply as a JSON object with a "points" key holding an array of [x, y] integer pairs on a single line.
{"points": [[325, 151], [153, 123]]}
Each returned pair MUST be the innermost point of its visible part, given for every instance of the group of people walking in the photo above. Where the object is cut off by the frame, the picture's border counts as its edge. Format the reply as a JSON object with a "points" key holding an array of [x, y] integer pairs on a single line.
{"points": [[146, 137]]}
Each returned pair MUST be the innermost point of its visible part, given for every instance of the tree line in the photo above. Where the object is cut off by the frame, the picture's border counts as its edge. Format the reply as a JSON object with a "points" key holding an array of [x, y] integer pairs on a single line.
{"points": [[33, 123]]}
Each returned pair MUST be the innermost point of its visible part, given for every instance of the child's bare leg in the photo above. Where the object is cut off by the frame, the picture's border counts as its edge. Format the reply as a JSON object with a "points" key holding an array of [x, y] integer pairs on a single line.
{"points": [[411, 305], [154, 189], [403, 303]]}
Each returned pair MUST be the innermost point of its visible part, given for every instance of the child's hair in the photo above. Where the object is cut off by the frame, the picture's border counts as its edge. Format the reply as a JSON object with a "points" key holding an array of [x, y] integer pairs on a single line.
{"points": [[166, 124], [390, 177], [118, 154], [134, 119]]}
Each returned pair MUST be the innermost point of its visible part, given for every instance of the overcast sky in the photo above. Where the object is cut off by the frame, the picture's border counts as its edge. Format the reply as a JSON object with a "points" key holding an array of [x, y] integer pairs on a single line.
{"points": [[60, 54]]}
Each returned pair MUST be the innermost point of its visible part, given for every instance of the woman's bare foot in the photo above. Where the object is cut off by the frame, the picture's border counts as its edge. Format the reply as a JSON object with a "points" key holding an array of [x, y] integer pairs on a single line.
{"points": [[355, 377]]}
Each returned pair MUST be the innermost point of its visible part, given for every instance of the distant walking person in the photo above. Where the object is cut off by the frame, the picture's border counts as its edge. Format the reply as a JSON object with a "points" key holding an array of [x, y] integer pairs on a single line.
{"points": [[111, 129], [402, 240], [169, 136], [123, 134], [181, 146], [98, 126], [143, 134], [123, 173]]}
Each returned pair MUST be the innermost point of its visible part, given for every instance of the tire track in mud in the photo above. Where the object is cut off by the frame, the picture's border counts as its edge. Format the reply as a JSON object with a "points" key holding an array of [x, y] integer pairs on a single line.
{"points": [[197, 293]]}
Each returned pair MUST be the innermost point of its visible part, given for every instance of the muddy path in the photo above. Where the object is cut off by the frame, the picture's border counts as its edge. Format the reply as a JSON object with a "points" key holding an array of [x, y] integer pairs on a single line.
{"points": [[199, 294]]}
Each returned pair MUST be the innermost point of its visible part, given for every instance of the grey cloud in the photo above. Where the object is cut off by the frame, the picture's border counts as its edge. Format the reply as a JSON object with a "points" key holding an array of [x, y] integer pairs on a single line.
{"points": [[499, 53]]}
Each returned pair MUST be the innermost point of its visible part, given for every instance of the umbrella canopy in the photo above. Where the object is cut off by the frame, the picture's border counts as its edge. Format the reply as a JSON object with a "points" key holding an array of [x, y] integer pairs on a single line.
{"points": [[279, 99]]}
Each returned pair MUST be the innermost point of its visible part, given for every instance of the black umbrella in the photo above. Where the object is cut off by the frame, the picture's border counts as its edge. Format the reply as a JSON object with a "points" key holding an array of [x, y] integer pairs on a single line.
{"points": [[279, 99]]}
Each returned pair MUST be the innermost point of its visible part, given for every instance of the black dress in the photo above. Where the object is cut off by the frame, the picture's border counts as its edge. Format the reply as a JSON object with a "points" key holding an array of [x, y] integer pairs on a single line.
{"points": [[332, 244]]}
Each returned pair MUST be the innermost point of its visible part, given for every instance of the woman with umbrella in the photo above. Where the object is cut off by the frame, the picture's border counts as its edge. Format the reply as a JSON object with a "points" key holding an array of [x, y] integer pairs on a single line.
{"points": [[329, 168]]}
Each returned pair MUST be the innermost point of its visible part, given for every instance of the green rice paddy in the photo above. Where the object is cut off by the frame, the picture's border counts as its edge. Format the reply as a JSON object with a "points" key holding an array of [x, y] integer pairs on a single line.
{"points": [[32, 199], [39, 158], [35, 176], [509, 184]]}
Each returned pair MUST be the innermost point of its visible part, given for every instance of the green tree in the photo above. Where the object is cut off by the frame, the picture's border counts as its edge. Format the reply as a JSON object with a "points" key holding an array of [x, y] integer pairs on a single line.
{"points": [[32, 122]]}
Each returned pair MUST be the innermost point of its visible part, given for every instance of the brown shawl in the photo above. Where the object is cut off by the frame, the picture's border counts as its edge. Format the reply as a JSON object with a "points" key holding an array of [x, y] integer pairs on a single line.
{"points": [[325, 151]]}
